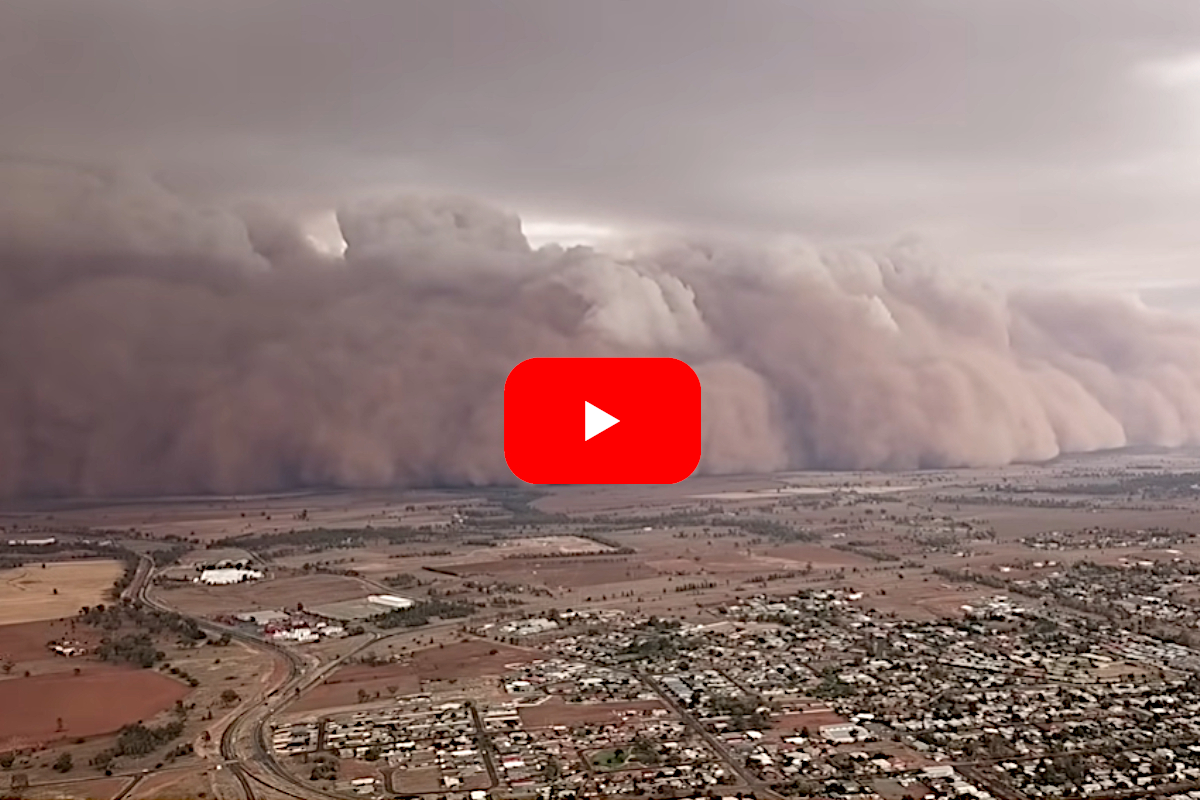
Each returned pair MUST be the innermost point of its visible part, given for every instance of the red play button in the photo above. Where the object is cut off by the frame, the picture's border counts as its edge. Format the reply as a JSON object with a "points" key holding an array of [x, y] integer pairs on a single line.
{"points": [[602, 420]]}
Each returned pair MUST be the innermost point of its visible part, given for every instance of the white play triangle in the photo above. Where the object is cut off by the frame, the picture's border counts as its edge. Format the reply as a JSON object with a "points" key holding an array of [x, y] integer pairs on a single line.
{"points": [[595, 421]]}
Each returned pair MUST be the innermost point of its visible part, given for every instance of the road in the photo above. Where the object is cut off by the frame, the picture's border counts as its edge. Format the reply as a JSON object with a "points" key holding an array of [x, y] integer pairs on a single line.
{"points": [[716, 744], [243, 743]]}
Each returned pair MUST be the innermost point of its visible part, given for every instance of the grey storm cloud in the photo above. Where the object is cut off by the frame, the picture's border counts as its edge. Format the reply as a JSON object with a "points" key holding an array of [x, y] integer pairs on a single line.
{"points": [[149, 344], [1047, 136]]}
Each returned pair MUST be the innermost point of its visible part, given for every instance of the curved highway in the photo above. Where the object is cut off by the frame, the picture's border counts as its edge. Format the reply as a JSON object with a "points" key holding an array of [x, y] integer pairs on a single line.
{"points": [[243, 745]]}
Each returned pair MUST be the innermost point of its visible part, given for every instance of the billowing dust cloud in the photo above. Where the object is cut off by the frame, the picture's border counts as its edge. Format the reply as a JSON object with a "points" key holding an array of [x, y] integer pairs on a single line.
{"points": [[149, 345]]}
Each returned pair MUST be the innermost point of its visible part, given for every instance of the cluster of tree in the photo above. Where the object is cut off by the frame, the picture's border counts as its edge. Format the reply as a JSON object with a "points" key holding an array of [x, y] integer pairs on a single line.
{"points": [[421, 613], [679, 519], [832, 686], [183, 675], [552, 769], [619, 550], [317, 539], [179, 751], [168, 555], [138, 740], [431, 553], [518, 503], [970, 576], [874, 555], [401, 581], [153, 621], [645, 750], [322, 569], [695, 587], [324, 769], [67, 547], [131, 561], [1155, 487], [745, 712], [958, 501], [787, 575], [133, 648], [658, 645], [772, 529]]}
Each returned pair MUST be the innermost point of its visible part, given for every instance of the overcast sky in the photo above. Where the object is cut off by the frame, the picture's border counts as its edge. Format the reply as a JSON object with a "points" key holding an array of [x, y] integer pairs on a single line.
{"points": [[1034, 139]]}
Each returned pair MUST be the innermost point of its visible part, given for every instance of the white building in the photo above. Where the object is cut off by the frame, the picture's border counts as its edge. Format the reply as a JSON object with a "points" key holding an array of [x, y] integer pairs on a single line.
{"points": [[227, 575], [298, 635], [845, 732], [390, 601]]}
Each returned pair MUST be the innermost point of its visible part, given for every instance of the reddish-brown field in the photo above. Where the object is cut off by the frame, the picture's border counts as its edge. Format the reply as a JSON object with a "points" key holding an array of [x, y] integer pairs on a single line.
{"points": [[343, 686], [26, 641], [474, 659], [814, 719], [98, 701], [919, 599], [558, 712]]}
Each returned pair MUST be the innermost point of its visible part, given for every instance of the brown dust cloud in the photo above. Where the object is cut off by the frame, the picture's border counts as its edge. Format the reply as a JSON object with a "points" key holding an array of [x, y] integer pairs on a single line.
{"points": [[153, 345]]}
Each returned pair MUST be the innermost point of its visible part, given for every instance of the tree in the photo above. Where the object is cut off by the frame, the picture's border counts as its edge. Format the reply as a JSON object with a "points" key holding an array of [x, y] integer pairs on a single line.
{"points": [[230, 697], [64, 763]]}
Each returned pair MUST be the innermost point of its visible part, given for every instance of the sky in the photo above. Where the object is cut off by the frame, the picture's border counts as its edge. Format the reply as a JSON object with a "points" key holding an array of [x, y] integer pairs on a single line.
{"points": [[1031, 140]]}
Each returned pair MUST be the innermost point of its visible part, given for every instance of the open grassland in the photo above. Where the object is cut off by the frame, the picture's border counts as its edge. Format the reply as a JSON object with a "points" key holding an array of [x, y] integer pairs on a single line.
{"points": [[59, 588]]}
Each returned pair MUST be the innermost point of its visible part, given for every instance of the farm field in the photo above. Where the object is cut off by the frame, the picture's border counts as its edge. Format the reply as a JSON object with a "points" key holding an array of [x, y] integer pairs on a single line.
{"points": [[98, 701], [26, 641], [213, 518], [58, 589], [310, 590]]}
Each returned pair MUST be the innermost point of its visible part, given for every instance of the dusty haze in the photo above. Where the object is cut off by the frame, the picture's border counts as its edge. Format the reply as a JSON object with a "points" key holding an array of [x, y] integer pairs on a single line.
{"points": [[149, 344]]}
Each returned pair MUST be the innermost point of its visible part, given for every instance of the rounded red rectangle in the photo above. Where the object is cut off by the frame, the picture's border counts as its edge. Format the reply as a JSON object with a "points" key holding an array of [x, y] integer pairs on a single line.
{"points": [[602, 420]]}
